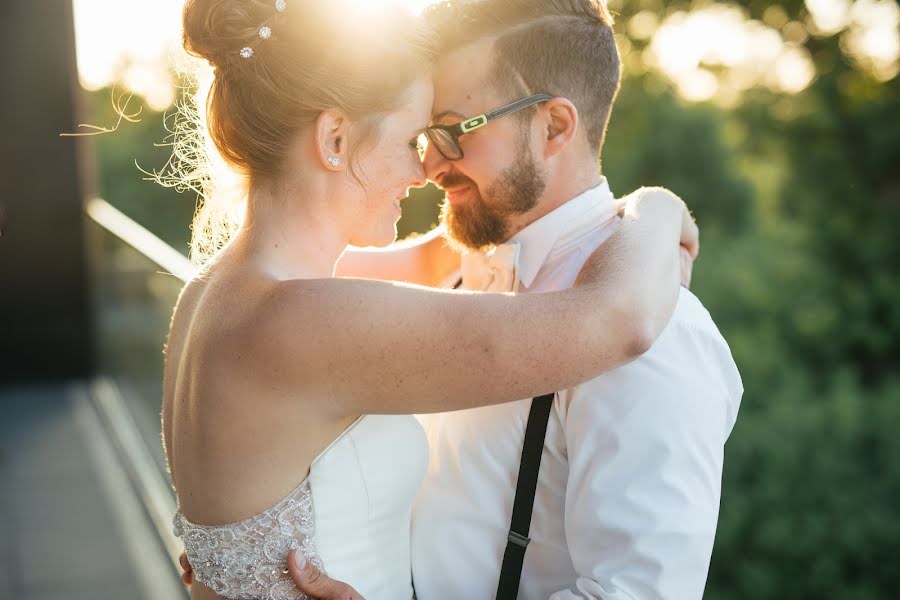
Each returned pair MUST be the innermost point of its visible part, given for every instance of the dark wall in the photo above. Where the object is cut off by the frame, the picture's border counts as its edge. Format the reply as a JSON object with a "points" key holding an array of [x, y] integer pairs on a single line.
{"points": [[44, 311]]}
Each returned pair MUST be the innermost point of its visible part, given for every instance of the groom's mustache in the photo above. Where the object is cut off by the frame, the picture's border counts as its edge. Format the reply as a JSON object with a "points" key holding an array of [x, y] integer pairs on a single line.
{"points": [[454, 181]]}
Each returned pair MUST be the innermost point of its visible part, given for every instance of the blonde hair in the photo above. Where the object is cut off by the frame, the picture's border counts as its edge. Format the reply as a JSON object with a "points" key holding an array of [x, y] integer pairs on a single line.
{"points": [[318, 56]]}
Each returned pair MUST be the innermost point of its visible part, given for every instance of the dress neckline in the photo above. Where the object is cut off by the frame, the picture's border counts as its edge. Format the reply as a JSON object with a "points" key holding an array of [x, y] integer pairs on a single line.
{"points": [[300, 487]]}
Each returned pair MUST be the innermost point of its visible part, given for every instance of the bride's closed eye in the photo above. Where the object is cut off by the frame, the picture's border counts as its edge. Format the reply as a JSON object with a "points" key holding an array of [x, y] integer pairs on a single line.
{"points": [[418, 144]]}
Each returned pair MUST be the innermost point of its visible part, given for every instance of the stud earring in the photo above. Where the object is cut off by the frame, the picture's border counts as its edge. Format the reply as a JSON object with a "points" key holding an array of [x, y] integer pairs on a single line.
{"points": [[334, 161]]}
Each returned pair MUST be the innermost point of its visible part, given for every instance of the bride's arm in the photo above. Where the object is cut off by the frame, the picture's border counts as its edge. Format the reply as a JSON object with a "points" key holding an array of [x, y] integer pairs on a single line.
{"points": [[423, 260], [375, 347]]}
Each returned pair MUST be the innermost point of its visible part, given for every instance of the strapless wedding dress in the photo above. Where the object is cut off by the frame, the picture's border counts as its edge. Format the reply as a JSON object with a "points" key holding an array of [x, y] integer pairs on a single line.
{"points": [[350, 517]]}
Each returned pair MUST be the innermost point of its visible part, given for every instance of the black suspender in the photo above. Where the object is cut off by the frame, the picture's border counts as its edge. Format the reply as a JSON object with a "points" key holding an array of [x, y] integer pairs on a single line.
{"points": [[523, 505]]}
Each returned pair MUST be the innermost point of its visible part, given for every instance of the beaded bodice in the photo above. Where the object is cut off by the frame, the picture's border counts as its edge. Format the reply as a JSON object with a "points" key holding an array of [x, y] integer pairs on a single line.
{"points": [[247, 559], [350, 518]]}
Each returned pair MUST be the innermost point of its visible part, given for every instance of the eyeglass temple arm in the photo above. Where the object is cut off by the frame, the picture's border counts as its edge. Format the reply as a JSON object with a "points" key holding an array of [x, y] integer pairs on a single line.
{"points": [[517, 105]]}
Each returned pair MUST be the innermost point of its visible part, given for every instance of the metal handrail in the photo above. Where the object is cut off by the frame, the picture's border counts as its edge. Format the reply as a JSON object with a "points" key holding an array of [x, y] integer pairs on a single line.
{"points": [[140, 238], [142, 504], [149, 482]]}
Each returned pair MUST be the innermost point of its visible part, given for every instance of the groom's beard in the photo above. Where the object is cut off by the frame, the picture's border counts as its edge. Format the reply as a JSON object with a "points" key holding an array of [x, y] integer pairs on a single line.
{"points": [[484, 219]]}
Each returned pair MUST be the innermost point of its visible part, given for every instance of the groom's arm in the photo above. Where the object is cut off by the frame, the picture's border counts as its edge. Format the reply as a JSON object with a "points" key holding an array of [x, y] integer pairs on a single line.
{"points": [[645, 446], [423, 260]]}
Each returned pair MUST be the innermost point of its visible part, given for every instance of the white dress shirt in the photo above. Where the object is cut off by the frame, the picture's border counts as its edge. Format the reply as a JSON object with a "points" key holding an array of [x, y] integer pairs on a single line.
{"points": [[628, 493]]}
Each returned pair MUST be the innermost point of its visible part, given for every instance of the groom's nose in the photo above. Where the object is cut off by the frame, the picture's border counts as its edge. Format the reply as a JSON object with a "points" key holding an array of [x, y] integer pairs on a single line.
{"points": [[436, 166]]}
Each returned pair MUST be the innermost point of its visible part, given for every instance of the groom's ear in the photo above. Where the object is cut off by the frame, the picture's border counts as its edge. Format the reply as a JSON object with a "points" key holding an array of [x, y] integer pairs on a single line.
{"points": [[559, 122]]}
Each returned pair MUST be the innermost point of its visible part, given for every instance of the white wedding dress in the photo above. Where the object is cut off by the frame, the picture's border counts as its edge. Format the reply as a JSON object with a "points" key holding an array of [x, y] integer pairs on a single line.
{"points": [[350, 517]]}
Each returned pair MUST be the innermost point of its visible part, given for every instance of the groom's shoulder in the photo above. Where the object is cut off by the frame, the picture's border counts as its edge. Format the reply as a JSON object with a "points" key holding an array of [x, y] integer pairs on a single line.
{"points": [[690, 348], [689, 356], [690, 320], [693, 336], [690, 311]]}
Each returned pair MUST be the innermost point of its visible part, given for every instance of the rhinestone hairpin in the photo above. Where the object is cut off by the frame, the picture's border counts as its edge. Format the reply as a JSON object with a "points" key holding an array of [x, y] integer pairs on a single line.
{"points": [[264, 32]]}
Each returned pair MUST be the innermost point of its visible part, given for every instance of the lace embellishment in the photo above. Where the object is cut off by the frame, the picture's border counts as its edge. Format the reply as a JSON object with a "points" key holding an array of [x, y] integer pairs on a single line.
{"points": [[248, 560]]}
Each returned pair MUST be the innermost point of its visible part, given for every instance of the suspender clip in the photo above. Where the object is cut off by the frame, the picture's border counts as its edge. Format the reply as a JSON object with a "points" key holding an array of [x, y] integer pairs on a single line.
{"points": [[518, 539]]}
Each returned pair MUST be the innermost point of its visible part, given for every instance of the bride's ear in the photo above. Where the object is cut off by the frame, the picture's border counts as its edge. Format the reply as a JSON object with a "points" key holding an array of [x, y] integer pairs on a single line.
{"points": [[331, 130]]}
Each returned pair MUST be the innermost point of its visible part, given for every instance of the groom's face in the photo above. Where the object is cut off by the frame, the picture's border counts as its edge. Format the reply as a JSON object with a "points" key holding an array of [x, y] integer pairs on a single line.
{"points": [[492, 189]]}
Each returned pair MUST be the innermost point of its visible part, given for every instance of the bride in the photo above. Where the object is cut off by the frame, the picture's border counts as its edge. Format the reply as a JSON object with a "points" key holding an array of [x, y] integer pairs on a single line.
{"points": [[287, 390]]}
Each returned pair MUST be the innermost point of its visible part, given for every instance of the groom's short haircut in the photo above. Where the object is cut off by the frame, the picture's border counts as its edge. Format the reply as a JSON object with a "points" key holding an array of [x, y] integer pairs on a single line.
{"points": [[559, 47]]}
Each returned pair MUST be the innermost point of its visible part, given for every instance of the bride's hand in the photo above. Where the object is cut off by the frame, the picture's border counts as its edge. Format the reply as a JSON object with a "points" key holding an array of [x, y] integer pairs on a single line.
{"points": [[687, 268], [644, 261], [690, 233], [690, 246]]}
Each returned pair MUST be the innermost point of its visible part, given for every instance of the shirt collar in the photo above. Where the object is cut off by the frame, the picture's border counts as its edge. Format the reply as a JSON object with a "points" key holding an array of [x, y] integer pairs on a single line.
{"points": [[538, 239]]}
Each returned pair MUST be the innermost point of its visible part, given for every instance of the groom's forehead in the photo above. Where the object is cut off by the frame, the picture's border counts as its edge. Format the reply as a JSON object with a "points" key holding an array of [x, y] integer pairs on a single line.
{"points": [[462, 82]]}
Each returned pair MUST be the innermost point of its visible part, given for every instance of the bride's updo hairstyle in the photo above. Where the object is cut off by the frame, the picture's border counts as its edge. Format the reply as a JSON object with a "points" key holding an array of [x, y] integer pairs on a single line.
{"points": [[278, 64]]}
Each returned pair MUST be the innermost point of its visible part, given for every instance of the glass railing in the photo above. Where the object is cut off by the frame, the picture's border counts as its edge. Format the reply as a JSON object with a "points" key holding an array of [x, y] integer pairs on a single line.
{"points": [[136, 279]]}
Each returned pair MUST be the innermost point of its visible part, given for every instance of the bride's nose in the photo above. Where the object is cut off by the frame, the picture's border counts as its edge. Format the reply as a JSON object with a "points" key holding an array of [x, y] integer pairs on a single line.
{"points": [[418, 178]]}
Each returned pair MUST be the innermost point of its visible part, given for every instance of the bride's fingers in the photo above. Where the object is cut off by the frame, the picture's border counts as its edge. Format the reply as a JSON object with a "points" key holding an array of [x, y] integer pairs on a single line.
{"points": [[687, 267], [690, 233]]}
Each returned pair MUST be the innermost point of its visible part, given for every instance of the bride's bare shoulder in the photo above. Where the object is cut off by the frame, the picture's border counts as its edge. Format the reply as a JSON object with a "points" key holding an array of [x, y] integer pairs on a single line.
{"points": [[297, 307], [217, 311]]}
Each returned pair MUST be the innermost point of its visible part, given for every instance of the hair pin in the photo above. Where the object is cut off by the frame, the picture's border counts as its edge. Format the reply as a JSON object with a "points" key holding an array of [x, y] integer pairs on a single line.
{"points": [[264, 32]]}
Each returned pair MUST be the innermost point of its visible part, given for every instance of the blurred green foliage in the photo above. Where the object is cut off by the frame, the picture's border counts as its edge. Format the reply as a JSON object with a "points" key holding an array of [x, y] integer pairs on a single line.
{"points": [[124, 159], [798, 200]]}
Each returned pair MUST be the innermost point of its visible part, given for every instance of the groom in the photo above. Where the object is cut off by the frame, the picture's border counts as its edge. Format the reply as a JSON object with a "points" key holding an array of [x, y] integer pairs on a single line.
{"points": [[629, 479], [628, 490]]}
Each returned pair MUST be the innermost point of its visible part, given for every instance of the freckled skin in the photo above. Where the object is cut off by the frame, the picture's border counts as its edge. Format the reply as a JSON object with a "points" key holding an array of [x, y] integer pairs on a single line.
{"points": [[387, 168], [264, 370]]}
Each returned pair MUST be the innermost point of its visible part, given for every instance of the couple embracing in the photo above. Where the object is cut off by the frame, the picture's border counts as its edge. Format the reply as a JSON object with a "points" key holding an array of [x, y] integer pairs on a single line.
{"points": [[573, 397]]}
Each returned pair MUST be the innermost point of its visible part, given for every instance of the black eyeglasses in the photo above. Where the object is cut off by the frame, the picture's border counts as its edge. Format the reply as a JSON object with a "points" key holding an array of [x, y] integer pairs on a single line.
{"points": [[446, 137]]}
